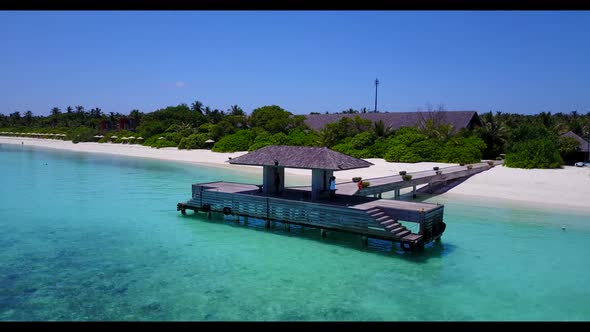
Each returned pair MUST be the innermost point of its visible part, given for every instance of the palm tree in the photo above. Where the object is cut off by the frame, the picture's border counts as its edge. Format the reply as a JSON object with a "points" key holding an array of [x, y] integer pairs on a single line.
{"points": [[236, 110], [28, 118], [55, 111], [494, 133], [197, 106], [380, 130], [69, 109]]}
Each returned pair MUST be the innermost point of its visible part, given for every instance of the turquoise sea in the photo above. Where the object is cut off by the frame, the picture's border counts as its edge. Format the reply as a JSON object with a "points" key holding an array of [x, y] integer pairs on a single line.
{"points": [[97, 237]]}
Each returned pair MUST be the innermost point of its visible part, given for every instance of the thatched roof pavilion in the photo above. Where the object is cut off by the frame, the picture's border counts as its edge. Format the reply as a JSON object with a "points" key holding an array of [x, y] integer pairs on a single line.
{"points": [[322, 161]]}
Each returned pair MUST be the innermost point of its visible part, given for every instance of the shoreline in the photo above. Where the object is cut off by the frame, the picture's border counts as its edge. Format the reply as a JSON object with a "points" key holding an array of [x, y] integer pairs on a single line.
{"points": [[566, 189]]}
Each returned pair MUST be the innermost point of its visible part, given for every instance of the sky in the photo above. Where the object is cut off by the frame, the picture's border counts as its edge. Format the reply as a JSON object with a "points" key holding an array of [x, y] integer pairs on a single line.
{"points": [[304, 61]]}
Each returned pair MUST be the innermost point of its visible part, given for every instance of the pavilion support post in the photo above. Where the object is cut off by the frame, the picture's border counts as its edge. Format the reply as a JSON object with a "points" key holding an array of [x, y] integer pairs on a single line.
{"points": [[379, 196]]}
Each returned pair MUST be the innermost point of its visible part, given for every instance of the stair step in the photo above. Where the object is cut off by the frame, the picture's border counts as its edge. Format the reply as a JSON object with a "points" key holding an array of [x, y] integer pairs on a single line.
{"points": [[402, 234], [412, 237], [388, 222], [394, 226], [373, 211], [377, 214], [381, 219], [398, 229]]}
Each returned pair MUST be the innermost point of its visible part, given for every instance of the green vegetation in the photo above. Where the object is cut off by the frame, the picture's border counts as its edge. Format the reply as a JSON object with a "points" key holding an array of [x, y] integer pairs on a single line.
{"points": [[407, 177], [528, 141]]}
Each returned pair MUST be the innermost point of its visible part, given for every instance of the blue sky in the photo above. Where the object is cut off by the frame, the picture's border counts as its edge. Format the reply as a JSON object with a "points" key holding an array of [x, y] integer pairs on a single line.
{"points": [[303, 61]]}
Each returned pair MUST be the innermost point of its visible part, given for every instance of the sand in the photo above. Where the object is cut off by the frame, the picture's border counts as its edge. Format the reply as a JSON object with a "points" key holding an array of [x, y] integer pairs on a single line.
{"points": [[568, 187]]}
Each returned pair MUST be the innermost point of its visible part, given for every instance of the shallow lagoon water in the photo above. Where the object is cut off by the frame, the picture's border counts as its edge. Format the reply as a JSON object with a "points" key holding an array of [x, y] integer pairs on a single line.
{"points": [[97, 237]]}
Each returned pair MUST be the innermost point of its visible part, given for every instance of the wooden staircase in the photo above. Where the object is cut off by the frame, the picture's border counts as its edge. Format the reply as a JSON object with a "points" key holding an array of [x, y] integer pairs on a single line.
{"points": [[401, 233]]}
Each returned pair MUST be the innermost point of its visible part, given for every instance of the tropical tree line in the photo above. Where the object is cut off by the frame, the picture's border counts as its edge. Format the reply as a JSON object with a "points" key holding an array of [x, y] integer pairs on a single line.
{"points": [[527, 141]]}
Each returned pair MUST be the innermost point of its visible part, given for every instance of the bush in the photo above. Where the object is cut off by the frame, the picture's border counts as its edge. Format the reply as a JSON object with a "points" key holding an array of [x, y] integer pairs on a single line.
{"points": [[407, 177], [194, 141], [469, 166], [366, 184], [239, 141], [491, 163], [402, 173], [356, 179], [536, 153]]}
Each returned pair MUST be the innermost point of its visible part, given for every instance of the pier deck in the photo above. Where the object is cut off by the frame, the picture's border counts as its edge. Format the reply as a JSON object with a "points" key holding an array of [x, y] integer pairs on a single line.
{"points": [[349, 210], [367, 216]]}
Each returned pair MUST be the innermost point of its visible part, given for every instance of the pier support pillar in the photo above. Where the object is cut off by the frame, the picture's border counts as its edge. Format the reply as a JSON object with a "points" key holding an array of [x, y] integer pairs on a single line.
{"points": [[396, 193], [323, 233], [267, 224], [183, 211], [379, 196], [209, 215], [287, 227], [364, 241], [237, 219], [245, 221], [414, 192]]}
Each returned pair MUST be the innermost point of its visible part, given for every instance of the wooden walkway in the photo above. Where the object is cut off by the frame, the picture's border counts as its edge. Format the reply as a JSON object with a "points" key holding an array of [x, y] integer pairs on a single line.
{"points": [[396, 182]]}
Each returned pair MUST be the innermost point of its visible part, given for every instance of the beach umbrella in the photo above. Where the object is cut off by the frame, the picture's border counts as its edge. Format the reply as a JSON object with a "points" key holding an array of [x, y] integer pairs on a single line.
{"points": [[97, 136], [113, 136], [140, 138], [160, 137], [131, 137], [209, 141], [124, 138]]}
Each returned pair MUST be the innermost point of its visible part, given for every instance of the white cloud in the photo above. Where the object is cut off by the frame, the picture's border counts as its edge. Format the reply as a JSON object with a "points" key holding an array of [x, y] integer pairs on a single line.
{"points": [[180, 84]]}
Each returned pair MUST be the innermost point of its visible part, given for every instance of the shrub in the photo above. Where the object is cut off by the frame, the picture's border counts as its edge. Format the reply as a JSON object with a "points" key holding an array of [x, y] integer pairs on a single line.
{"points": [[469, 166], [461, 164], [407, 177], [356, 179], [402, 173], [239, 141], [491, 163], [366, 184], [535, 153]]}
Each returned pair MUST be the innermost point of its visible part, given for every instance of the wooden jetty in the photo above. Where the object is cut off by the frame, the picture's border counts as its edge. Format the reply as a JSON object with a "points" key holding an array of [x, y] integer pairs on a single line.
{"points": [[352, 211]]}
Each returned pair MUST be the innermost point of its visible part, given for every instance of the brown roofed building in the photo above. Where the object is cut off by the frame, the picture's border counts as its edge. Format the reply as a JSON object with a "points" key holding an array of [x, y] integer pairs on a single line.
{"points": [[395, 120], [275, 158], [580, 155]]}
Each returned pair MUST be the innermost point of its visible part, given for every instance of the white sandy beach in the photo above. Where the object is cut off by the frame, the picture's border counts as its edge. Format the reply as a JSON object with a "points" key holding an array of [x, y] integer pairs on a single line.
{"points": [[561, 188]]}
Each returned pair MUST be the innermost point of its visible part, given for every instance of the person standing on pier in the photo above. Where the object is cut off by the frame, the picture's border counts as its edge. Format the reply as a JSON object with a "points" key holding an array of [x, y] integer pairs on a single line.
{"points": [[332, 188]]}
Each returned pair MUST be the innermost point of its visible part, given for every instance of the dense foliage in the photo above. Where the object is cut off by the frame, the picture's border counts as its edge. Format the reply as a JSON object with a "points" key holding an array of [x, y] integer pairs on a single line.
{"points": [[529, 141]]}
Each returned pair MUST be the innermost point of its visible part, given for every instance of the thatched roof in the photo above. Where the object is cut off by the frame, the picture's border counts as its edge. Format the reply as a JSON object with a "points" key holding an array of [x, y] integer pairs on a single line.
{"points": [[395, 120], [582, 143], [300, 157]]}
